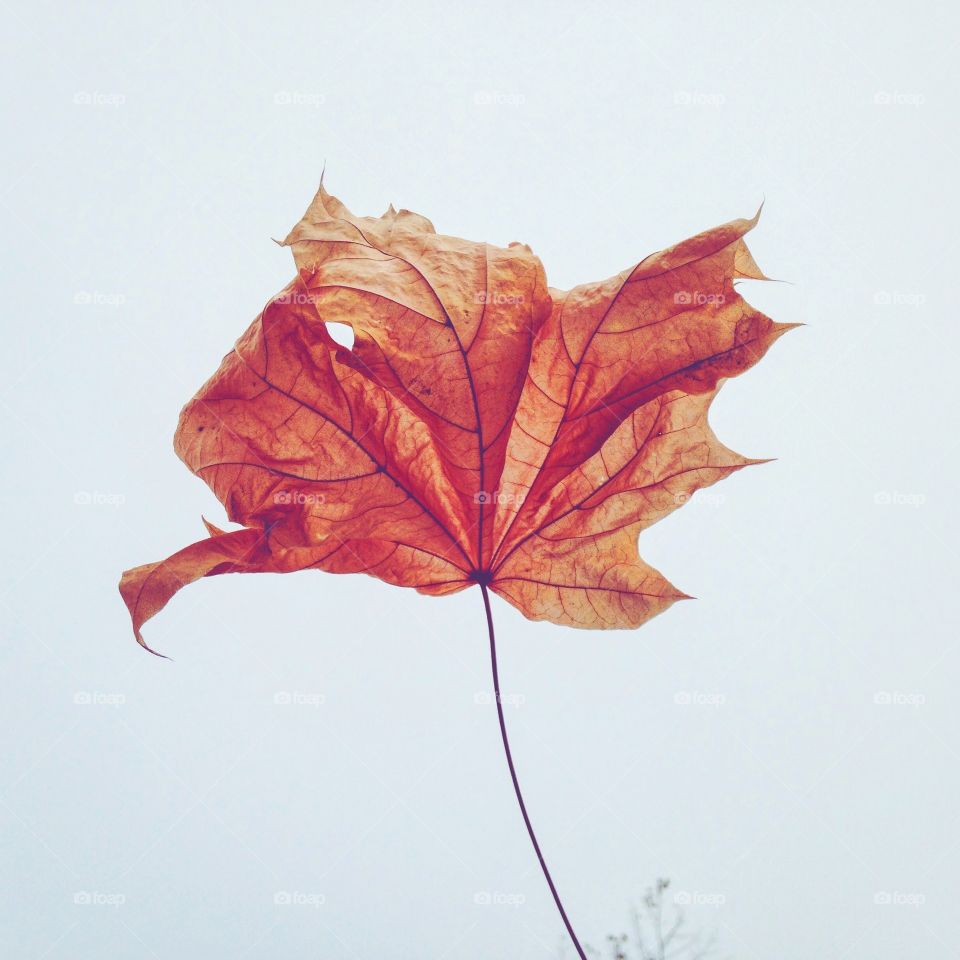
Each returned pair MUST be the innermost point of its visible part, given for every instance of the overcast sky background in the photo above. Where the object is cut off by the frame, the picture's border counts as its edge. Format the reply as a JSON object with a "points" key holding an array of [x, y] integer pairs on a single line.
{"points": [[785, 748]]}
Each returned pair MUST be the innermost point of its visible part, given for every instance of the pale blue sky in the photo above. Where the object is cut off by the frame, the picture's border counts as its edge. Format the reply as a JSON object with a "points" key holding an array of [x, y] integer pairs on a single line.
{"points": [[784, 748]]}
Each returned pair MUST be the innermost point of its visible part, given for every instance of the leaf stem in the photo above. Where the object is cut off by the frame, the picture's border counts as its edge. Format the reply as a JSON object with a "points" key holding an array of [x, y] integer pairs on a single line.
{"points": [[513, 774]]}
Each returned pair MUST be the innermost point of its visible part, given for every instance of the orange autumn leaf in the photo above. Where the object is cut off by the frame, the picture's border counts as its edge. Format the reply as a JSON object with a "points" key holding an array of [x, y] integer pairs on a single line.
{"points": [[484, 428]]}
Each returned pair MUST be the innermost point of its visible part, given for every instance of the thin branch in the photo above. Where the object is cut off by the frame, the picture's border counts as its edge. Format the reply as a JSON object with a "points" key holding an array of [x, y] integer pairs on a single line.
{"points": [[513, 774]]}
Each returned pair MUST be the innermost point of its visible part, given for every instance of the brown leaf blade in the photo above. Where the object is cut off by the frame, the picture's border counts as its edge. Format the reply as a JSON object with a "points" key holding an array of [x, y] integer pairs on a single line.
{"points": [[483, 428]]}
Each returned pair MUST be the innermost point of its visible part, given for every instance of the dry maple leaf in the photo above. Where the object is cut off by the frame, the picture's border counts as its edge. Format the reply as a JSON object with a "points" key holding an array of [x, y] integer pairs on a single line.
{"points": [[484, 429]]}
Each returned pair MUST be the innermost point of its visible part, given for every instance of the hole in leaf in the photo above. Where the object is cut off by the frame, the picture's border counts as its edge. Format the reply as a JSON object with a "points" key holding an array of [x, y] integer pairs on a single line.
{"points": [[342, 333]]}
